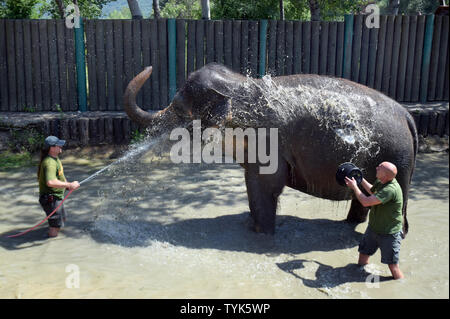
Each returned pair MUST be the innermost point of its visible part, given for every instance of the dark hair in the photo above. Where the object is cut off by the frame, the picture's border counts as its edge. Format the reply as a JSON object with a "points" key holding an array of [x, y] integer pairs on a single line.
{"points": [[44, 154]]}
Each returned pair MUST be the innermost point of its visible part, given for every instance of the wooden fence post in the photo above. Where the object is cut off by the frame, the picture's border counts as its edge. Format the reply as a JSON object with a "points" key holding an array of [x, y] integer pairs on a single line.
{"points": [[262, 48], [81, 67], [172, 36], [348, 41], [426, 57]]}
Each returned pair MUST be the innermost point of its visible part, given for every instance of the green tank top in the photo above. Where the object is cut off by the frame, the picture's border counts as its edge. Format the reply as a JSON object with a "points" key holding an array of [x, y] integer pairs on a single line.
{"points": [[51, 168], [386, 218]]}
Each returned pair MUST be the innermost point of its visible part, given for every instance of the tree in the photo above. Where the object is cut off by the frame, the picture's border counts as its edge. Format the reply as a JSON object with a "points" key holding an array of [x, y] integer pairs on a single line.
{"points": [[156, 12], [17, 9], [60, 5], [182, 9], [281, 10], [394, 6], [315, 10], [90, 9], [206, 14], [134, 9]]}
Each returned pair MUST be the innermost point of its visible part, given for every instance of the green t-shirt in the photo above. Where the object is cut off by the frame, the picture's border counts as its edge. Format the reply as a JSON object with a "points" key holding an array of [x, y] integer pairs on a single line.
{"points": [[51, 168], [386, 218]]}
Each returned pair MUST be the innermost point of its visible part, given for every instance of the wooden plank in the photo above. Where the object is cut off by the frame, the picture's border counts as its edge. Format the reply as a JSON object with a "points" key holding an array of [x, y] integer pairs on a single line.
{"points": [[331, 54], [323, 49], [446, 77], [146, 61], [199, 44], [53, 66], [36, 60], [443, 52], [109, 65], [137, 53], [434, 58], [218, 41], [154, 54], [11, 65], [83, 124], [127, 54], [27, 51], [117, 130], [271, 47], [93, 131], [163, 62], [45, 70], [364, 58], [356, 47], [415, 91], [388, 55], [228, 43], [190, 47], [109, 130], [72, 96], [306, 47], [315, 46], [280, 50], [209, 29], [395, 56], [118, 63], [62, 65], [253, 48], [423, 124], [411, 58], [89, 27], [3, 68], [244, 69], [340, 48], [372, 60], [101, 130], [100, 64], [440, 123], [289, 53], [297, 56], [401, 77], [181, 52], [236, 47], [20, 66], [64, 132]]}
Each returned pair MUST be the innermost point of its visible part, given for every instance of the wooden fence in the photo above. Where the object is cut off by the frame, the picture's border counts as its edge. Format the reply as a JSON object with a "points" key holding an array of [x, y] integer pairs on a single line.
{"points": [[406, 57]]}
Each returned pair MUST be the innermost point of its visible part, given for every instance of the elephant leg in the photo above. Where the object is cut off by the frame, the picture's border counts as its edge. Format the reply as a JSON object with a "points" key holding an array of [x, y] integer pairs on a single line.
{"points": [[263, 191], [357, 213]]}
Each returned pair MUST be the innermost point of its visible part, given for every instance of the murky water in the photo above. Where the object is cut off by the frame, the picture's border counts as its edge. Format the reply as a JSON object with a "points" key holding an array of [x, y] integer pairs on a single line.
{"points": [[153, 229]]}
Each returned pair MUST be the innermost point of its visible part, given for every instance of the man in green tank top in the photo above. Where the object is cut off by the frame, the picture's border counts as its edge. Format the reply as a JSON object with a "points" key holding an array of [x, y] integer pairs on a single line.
{"points": [[385, 217], [53, 183]]}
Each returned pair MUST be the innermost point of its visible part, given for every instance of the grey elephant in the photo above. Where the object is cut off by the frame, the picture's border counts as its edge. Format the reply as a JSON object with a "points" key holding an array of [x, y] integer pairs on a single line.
{"points": [[321, 121]]}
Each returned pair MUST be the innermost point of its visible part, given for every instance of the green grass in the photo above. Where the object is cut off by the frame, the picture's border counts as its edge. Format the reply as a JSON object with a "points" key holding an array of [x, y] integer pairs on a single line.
{"points": [[10, 160]]}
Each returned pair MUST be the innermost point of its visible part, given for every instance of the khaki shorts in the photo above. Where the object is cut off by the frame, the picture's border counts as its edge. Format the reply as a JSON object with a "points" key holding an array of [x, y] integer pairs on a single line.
{"points": [[389, 245]]}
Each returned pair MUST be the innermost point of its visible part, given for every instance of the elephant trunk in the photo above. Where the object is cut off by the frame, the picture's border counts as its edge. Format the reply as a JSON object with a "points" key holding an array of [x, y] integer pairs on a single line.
{"points": [[156, 120]]}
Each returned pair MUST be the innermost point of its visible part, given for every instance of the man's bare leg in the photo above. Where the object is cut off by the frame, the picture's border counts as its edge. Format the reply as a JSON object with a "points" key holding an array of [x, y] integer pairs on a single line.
{"points": [[53, 231], [395, 271], [363, 259]]}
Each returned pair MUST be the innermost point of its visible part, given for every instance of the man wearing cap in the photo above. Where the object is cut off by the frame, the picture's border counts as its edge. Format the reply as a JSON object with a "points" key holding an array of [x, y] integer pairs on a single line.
{"points": [[52, 183], [385, 217]]}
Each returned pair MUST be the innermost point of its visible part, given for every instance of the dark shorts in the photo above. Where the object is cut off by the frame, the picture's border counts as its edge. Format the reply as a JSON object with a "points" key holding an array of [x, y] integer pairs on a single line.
{"points": [[388, 244], [49, 205]]}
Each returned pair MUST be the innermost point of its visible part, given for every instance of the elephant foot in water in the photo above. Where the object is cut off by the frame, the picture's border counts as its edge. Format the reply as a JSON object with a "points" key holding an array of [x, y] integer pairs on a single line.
{"points": [[357, 213]]}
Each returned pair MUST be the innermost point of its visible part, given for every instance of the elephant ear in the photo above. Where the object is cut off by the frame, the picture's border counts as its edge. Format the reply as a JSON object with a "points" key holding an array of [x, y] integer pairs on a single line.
{"points": [[217, 106]]}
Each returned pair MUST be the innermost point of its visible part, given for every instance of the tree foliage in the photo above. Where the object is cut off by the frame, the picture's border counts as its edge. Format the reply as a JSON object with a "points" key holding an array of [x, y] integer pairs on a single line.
{"points": [[18, 9]]}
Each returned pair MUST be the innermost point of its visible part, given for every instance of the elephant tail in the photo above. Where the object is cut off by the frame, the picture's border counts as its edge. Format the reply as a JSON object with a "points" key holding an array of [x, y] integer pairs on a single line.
{"points": [[413, 129]]}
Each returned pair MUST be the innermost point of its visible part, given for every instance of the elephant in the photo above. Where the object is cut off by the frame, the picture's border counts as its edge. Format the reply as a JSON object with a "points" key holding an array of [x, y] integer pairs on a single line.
{"points": [[322, 122]]}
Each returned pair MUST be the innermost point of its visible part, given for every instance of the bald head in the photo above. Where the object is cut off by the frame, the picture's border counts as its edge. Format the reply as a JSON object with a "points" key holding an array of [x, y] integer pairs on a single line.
{"points": [[386, 171]]}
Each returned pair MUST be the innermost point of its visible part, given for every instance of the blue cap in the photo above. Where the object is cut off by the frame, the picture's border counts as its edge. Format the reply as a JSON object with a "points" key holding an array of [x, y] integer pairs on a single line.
{"points": [[54, 141]]}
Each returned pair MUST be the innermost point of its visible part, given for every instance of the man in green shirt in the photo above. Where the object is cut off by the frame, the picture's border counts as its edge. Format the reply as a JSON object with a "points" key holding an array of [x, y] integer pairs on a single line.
{"points": [[385, 217], [53, 183]]}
